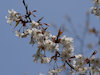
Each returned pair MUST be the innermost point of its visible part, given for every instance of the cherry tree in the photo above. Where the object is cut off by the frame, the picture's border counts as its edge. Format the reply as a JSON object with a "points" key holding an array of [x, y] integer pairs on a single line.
{"points": [[60, 46]]}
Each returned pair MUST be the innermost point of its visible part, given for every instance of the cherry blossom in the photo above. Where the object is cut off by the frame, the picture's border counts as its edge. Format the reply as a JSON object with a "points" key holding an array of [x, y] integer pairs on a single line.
{"points": [[61, 47]]}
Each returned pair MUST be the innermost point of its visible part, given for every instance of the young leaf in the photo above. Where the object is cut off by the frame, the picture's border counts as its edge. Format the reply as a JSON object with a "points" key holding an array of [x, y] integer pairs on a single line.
{"points": [[59, 32], [17, 23]]}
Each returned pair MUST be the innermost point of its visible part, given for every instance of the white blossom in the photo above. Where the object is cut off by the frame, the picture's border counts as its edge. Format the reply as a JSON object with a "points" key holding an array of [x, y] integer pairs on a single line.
{"points": [[96, 2], [95, 62], [68, 48], [67, 42], [22, 35], [66, 54], [41, 74], [78, 56], [34, 24], [17, 33], [95, 11], [37, 56], [52, 36], [13, 16], [54, 72], [50, 45], [96, 8], [82, 70], [45, 60], [80, 64]]}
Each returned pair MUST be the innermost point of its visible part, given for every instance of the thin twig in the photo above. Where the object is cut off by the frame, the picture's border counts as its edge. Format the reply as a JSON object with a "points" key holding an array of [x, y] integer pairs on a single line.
{"points": [[27, 13], [26, 7], [69, 65]]}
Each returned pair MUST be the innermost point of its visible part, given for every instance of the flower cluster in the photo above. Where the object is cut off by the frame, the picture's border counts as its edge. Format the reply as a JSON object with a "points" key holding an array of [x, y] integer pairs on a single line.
{"points": [[96, 8], [60, 46], [68, 48], [80, 64], [45, 42], [13, 16], [55, 71]]}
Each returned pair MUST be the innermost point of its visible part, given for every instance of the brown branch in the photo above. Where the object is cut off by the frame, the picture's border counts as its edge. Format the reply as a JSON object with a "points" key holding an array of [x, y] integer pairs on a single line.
{"points": [[27, 13], [26, 7], [72, 67]]}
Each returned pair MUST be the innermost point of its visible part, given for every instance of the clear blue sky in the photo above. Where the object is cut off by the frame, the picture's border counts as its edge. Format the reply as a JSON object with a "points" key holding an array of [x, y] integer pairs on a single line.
{"points": [[16, 54]]}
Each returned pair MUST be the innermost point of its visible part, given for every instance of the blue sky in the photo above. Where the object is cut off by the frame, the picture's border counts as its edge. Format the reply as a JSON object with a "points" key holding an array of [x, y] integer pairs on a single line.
{"points": [[16, 54]]}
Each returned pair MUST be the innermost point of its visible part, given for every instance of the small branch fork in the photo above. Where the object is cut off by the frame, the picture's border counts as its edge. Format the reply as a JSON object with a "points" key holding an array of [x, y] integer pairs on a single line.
{"points": [[57, 54], [27, 12]]}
